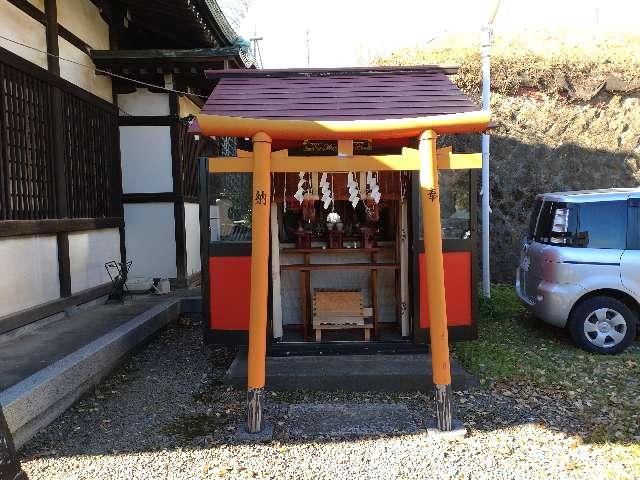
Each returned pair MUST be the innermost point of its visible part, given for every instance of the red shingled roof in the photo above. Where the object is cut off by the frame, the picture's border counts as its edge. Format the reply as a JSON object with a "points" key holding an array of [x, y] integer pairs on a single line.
{"points": [[337, 94]]}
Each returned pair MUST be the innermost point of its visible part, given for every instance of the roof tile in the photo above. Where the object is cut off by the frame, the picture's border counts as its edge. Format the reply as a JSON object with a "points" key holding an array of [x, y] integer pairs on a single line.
{"points": [[354, 96]]}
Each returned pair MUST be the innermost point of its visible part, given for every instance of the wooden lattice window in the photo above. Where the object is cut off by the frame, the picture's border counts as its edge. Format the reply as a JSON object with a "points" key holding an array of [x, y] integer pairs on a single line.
{"points": [[89, 140], [58, 147], [27, 178], [190, 151]]}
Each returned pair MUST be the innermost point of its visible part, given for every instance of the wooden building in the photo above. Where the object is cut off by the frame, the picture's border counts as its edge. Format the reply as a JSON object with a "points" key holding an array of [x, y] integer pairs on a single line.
{"points": [[330, 233], [388, 271], [94, 167]]}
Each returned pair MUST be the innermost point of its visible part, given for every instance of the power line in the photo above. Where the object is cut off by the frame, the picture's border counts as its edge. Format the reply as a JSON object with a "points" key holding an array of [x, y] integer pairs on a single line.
{"points": [[308, 50], [105, 72]]}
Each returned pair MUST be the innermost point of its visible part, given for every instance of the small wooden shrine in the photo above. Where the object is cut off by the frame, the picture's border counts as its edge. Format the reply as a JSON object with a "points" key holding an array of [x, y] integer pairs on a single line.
{"points": [[340, 222]]}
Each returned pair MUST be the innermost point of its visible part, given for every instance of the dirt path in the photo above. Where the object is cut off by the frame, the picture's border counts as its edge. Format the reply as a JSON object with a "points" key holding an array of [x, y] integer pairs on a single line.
{"points": [[166, 415]]}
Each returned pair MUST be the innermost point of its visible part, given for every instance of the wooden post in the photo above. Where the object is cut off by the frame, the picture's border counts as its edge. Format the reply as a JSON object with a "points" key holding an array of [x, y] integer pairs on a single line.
{"points": [[205, 240], [276, 297], [374, 295], [259, 280], [51, 13], [404, 269], [177, 169], [305, 295], [430, 197]]}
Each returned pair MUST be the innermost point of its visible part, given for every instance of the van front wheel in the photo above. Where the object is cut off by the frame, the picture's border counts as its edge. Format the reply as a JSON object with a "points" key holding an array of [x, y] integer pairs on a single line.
{"points": [[602, 325]]}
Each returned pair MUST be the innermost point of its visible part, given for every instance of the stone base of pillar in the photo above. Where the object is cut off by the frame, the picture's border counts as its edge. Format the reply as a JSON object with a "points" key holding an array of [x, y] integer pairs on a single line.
{"points": [[242, 436], [444, 415], [445, 424], [458, 430], [255, 407]]}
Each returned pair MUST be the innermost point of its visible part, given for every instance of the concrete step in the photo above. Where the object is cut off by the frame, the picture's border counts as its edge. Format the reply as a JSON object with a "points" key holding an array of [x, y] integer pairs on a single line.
{"points": [[355, 373], [44, 371]]}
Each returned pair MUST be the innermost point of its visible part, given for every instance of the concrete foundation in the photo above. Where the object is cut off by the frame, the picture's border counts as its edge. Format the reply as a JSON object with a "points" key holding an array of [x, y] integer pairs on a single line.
{"points": [[389, 373], [45, 370]]}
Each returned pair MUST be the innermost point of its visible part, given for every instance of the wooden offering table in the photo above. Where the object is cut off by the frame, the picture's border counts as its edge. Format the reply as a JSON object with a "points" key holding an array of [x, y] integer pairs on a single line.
{"points": [[305, 269], [339, 310]]}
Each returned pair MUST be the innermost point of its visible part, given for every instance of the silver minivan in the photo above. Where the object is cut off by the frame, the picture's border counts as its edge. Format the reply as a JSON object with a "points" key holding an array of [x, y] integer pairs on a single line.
{"points": [[580, 265]]}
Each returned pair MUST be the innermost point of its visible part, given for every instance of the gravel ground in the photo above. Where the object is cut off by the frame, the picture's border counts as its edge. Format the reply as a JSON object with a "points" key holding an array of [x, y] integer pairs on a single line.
{"points": [[166, 415]]}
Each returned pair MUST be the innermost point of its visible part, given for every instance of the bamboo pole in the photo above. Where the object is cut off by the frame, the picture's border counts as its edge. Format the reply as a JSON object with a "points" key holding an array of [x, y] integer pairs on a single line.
{"points": [[259, 281], [430, 196]]}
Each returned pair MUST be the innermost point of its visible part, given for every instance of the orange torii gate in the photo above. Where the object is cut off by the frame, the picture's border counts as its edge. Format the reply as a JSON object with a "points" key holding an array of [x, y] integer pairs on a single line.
{"points": [[265, 125]]}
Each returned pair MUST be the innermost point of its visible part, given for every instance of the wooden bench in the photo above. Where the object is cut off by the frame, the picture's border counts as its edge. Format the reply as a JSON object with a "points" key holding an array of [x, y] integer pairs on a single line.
{"points": [[335, 309]]}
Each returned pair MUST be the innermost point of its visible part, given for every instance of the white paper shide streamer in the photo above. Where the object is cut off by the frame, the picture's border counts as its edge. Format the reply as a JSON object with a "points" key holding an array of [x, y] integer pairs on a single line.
{"points": [[299, 195], [374, 188], [327, 194], [308, 187], [354, 192]]}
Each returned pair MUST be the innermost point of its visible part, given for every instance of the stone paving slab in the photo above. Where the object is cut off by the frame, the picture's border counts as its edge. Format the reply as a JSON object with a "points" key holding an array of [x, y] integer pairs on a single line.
{"points": [[349, 420]]}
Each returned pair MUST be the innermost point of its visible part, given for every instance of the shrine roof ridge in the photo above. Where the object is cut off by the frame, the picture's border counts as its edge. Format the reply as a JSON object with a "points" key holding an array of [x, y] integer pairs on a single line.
{"points": [[446, 69]]}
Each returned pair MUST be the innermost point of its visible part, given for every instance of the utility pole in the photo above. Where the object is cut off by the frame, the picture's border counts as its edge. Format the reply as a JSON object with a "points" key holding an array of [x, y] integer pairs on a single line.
{"points": [[485, 52], [257, 54]]}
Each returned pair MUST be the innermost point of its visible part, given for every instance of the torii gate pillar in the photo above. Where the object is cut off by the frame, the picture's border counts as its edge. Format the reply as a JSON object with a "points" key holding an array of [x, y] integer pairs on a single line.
{"points": [[259, 280], [432, 231]]}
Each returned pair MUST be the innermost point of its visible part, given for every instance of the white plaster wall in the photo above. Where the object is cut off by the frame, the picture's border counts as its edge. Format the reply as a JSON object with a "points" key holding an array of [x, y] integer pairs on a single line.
{"points": [[150, 242], [29, 272], [192, 228], [22, 28], [187, 107], [146, 159], [83, 77], [82, 18], [144, 102], [88, 252]]}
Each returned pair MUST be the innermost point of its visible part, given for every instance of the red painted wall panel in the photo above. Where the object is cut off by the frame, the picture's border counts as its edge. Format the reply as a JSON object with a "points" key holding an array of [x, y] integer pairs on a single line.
{"points": [[457, 284], [230, 288]]}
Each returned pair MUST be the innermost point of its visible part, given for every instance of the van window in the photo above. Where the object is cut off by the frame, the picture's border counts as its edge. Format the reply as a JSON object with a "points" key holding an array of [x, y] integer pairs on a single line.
{"points": [[555, 224], [603, 225], [533, 221]]}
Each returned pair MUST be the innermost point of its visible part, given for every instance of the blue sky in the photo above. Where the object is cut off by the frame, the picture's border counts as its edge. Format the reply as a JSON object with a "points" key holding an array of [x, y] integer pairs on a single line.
{"points": [[351, 32]]}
